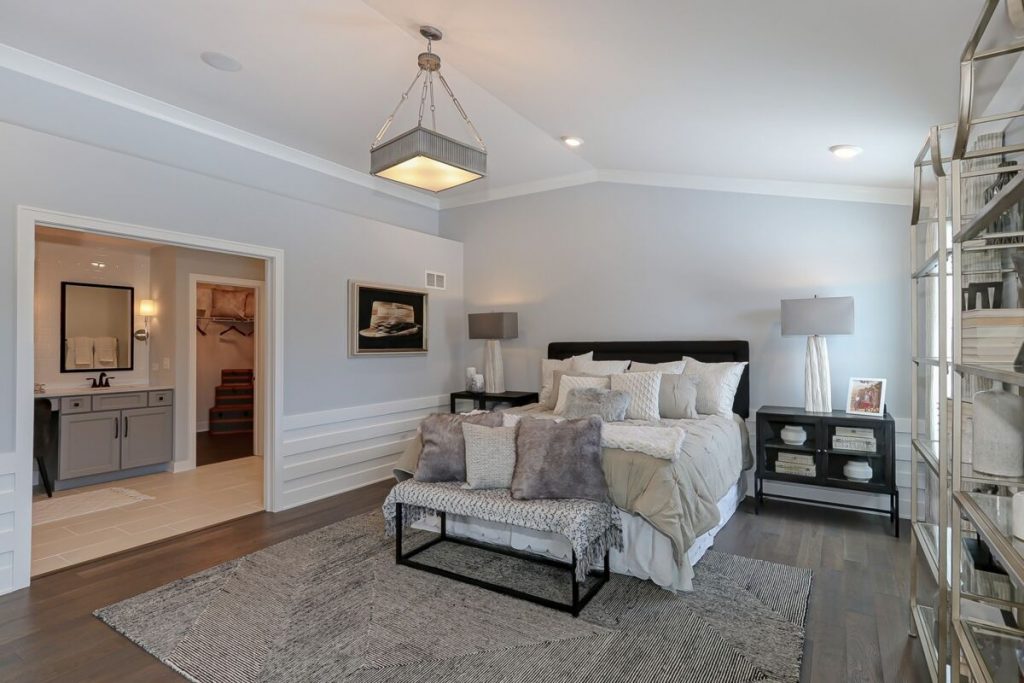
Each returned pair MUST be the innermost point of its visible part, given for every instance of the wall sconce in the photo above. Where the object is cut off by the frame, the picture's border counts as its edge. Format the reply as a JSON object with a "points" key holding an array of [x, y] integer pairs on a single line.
{"points": [[147, 309]]}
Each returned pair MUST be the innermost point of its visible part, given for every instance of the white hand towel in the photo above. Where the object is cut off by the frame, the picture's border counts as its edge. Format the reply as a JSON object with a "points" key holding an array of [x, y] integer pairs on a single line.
{"points": [[106, 352], [83, 351]]}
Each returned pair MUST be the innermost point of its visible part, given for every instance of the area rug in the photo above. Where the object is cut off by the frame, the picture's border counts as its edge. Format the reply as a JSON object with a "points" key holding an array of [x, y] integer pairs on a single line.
{"points": [[78, 504], [332, 606]]}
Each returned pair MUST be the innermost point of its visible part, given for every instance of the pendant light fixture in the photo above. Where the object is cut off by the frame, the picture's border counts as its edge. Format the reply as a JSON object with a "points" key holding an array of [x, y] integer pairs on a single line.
{"points": [[422, 157]]}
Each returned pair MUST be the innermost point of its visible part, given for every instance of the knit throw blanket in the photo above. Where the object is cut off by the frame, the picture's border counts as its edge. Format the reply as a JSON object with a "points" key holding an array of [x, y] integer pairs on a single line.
{"points": [[591, 527]]}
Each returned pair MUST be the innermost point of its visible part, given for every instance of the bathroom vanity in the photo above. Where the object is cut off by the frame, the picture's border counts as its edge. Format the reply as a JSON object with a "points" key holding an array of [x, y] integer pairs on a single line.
{"points": [[111, 433]]}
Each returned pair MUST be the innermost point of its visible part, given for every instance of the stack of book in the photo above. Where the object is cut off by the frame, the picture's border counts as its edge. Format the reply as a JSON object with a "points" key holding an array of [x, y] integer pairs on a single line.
{"points": [[795, 463], [855, 439], [992, 335]]}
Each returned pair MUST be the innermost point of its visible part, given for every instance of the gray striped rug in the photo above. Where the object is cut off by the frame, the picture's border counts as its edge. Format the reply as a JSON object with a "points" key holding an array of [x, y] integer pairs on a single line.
{"points": [[332, 606]]}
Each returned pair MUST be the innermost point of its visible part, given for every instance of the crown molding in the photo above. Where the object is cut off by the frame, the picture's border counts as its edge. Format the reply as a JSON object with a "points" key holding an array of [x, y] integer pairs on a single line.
{"points": [[777, 188], [62, 76]]}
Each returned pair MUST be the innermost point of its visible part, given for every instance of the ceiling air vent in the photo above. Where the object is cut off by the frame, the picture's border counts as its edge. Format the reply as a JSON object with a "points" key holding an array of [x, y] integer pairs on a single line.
{"points": [[435, 280]]}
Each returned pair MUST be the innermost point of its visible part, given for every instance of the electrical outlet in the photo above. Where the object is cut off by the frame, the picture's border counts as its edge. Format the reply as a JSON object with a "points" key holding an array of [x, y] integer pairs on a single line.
{"points": [[167, 363]]}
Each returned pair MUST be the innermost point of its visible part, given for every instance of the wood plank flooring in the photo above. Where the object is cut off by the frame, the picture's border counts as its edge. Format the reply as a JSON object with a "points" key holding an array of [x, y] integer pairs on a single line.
{"points": [[857, 622]]}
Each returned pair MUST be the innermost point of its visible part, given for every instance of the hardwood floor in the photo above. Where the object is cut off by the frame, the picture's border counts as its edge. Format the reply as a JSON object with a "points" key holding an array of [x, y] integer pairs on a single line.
{"points": [[221, 447], [857, 623]]}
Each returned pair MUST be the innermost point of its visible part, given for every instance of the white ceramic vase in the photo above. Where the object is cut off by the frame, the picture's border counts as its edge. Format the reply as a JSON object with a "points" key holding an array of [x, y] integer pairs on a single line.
{"points": [[998, 439], [1018, 515]]}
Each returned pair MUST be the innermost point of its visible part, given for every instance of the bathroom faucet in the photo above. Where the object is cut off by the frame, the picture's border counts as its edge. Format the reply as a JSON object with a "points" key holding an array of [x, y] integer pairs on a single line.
{"points": [[102, 383]]}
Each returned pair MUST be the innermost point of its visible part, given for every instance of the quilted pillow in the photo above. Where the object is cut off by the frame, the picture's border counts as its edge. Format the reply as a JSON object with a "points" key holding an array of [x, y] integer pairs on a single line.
{"points": [[556, 384], [674, 367], [490, 456], [718, 385], [677, 398], [559, 460], [570, 382], [444, 447], [547, 372], [643, 388], [608, 405]]}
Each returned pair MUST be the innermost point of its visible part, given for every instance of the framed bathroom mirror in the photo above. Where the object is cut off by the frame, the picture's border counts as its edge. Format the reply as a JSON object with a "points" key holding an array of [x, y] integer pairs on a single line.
{"points": [[96, 323]]}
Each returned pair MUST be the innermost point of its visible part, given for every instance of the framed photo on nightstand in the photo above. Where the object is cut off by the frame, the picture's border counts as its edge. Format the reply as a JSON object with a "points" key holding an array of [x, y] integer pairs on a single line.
{"points": [[866, 396]]}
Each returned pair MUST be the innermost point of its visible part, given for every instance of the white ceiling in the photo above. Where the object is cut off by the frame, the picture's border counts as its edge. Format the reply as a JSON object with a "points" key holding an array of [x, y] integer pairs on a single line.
{"points": [[745, 89]]}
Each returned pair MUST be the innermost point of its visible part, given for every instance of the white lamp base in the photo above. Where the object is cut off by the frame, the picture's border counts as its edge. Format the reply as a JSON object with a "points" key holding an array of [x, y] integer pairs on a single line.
{"points": [[817, 378], [494, 369]]}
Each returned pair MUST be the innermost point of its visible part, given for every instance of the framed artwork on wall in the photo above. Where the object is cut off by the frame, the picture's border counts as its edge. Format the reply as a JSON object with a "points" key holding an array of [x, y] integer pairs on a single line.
{"points": [[386, 320], [866, 396]]}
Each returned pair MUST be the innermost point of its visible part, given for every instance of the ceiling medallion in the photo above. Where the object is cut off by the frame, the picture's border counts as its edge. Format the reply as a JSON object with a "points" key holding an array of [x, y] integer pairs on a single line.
{"points": [[422, 157]]}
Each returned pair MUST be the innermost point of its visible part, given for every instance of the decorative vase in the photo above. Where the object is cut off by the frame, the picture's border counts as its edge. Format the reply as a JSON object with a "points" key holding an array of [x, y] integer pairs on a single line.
{"points": [[1018, 515], [998, 443], [477, 386], [470, 374], [793, 435], [858, 470]]}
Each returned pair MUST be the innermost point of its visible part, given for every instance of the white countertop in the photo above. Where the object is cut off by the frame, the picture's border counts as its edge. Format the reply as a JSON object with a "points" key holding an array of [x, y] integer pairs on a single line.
{"points": [[58, 392]]}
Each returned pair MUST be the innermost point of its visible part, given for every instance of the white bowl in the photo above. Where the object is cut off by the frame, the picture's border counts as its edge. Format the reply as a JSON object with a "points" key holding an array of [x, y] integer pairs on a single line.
{"points": [[793, 435], [858, 470]]}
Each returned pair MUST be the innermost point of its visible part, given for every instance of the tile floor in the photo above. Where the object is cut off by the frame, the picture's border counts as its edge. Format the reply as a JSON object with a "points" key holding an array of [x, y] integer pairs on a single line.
{"points": [[182, 502]]}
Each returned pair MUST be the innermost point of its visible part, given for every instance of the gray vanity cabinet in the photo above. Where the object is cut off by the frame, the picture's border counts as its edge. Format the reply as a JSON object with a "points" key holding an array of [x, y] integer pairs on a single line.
{"points": [[109, 433], [90, 443], [146, 436]]}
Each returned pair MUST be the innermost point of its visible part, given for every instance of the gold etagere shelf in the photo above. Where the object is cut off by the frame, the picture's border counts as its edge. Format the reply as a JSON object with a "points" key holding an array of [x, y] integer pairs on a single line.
{"points": [[978, 263]]}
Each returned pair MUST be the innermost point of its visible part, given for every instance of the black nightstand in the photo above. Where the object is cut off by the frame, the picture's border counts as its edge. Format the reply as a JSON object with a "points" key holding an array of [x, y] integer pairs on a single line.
{"points": [[820, 462], [516, 398]]}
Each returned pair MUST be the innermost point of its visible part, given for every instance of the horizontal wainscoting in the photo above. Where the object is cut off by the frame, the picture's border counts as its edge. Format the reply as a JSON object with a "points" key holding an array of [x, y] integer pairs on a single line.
{"points": [[827, 495], [8, 538], [333, 451]]}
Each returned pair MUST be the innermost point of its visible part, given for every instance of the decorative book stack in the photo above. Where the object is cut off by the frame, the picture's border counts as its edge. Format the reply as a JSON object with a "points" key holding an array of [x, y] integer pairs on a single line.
{"points": [[855, 439], [795, 463], [992, 335]]}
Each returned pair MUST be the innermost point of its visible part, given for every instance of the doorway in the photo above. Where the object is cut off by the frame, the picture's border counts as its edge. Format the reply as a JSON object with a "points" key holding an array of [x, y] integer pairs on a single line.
{"points": [[266, 405]]}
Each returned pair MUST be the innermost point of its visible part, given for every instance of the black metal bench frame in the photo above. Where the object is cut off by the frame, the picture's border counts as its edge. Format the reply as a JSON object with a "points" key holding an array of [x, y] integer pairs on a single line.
{"points": [[574, 608]]}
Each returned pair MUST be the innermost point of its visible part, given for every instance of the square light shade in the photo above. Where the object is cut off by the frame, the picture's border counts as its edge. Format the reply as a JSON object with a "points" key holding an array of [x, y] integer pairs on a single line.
{"points": [[428, 160], [147, 307], [817, 316], [493, 325]]}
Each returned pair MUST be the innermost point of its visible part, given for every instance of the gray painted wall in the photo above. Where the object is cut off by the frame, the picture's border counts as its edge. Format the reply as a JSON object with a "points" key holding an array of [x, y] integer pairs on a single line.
{"points": [[324, 248], [620, 262]]}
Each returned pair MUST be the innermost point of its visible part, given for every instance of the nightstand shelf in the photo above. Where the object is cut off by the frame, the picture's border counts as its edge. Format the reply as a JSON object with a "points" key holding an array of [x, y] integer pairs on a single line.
{"points": [[823, 465], [482, 399]]}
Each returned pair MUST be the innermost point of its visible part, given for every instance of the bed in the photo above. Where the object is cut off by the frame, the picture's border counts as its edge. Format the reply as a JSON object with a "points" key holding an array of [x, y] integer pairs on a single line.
{"points": [[670, 521]]}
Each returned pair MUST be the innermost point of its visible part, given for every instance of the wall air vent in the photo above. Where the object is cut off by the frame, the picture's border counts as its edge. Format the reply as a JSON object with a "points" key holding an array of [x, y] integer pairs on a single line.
{"points": [[435, 280]]}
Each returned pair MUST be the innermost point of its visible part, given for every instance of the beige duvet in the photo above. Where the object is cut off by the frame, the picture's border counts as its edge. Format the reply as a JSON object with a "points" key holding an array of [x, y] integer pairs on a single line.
{"points": [[678, 498]]}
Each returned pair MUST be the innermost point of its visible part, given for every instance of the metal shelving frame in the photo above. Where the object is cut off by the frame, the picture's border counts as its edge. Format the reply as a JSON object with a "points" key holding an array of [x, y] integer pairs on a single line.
{"points": [[978, 514]]}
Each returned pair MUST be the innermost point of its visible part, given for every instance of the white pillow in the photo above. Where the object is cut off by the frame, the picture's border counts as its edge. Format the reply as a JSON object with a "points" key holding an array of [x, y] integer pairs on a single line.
{"points": [[644, 390], [600, 367], [718, 384], [547, 372], [570, 382], [674, 367]]}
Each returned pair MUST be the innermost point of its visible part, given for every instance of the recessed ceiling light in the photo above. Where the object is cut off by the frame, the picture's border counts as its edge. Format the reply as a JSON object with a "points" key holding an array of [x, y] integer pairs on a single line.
{"points": [[98, 264], [845, 151], [221, 61], [572, 140]]}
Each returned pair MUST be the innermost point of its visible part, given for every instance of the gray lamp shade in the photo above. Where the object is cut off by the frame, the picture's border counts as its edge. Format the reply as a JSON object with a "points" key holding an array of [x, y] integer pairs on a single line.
{"points": [[493, 325], [817, 316]]}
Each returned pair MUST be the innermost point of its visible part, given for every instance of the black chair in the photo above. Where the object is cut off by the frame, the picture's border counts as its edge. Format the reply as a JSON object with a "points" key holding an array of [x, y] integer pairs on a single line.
{"points": [[43, 440]]}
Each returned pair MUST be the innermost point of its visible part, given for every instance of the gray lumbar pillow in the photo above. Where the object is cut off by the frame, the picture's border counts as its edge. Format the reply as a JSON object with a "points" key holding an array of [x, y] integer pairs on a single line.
{"points": [[490, 456], [559, 460], [607, 404], [444, 447], [677, 398]]}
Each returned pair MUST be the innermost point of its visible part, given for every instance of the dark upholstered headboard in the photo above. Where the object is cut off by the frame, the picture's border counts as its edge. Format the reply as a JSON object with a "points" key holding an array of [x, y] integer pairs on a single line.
{"points": [[664, 351]]}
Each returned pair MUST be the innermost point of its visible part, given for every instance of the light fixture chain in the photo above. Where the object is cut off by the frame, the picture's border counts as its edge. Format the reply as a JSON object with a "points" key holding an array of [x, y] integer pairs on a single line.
{"points": [[465, 116], [433, 109], [387, 122], [423, 98]]}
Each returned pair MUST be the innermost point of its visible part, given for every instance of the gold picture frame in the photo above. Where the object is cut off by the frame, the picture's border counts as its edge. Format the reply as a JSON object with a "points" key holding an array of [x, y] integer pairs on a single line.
{"points": [[387, 320]]}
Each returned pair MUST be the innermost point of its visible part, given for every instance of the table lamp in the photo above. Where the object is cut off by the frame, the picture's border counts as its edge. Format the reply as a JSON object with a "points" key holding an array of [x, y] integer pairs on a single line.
{"points": [[815, 318], [493, 327]]}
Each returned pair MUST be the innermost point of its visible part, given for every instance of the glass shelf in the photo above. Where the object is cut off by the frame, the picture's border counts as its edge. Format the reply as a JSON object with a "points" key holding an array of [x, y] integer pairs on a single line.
{"points": [[927, 635], [928, 450], [991, 650], [967, 472], [999, 372], [992, 516], [927, 535]]}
